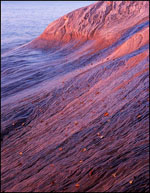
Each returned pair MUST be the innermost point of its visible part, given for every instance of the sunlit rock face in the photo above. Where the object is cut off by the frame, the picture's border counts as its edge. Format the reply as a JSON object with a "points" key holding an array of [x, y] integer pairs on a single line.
{"points": [[103, 21], [88, 132]]}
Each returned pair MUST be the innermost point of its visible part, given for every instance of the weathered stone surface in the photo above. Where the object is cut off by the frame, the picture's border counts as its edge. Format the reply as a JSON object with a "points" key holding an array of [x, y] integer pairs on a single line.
{"points": [[103, 21], [92, 132]]}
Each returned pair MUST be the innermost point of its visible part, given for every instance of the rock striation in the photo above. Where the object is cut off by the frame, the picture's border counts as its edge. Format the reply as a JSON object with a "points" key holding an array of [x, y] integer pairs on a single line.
{"points": [[88, 132]]}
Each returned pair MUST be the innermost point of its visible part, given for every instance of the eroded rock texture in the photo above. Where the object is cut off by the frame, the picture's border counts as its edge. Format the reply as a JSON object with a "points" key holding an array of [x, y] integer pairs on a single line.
{"points": [[89, 131]]}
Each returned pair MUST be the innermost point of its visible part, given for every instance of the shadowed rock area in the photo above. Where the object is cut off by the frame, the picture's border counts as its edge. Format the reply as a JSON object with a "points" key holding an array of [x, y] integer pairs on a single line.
{"points": [[88, 129]]}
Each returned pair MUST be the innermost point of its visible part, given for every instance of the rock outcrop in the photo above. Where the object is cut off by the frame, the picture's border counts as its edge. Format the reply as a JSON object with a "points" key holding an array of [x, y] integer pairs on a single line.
{"points": [[103, 21], [88, 132]]}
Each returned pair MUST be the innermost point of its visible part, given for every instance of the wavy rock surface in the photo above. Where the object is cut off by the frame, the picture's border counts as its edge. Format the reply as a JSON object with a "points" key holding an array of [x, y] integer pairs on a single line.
{"points": [[104, 21], [92, 132]]}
